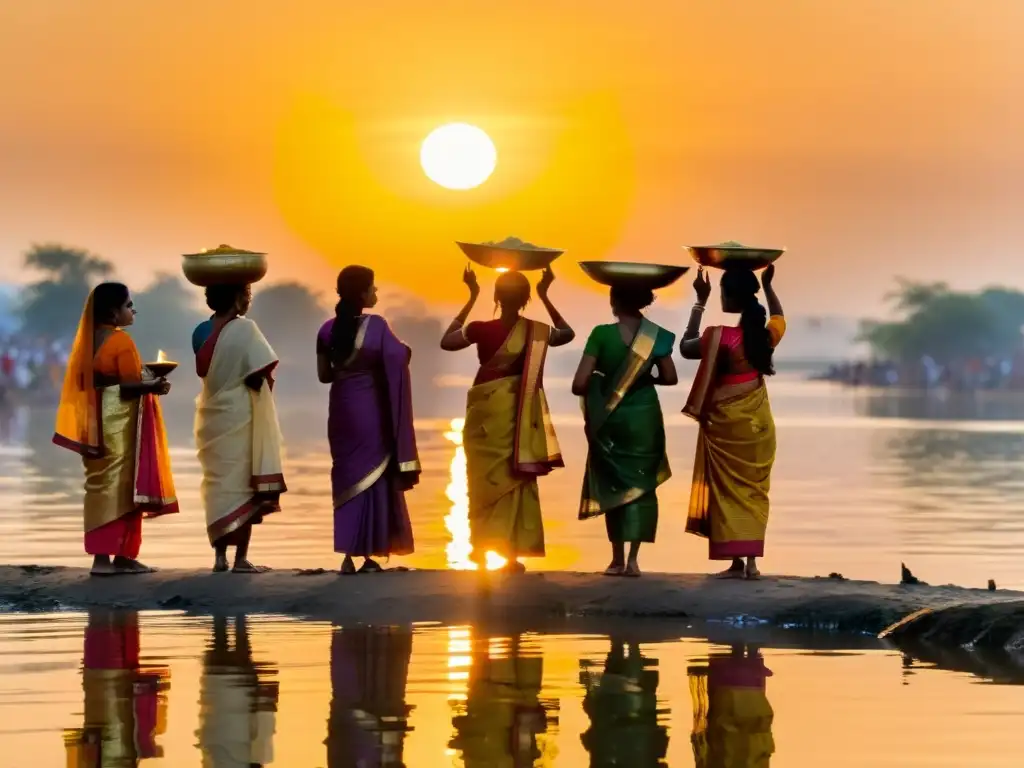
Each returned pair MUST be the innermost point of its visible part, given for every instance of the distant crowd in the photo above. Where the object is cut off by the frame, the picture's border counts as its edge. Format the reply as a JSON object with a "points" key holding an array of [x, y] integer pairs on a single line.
{"points": [[31, 368], [974, 374]]}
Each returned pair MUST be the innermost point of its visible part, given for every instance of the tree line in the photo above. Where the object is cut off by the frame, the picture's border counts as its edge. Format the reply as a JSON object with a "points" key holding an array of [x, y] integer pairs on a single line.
{"points": [[933, 320], [289, 313]]}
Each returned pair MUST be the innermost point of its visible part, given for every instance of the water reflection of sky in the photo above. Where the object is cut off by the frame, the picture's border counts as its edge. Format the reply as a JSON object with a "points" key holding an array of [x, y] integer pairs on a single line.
{"points": [[182, 691], [862, 482]]}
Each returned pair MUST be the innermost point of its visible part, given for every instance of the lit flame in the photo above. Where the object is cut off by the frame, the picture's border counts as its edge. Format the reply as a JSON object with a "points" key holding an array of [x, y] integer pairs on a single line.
{"points": [[161, 357], [502, 270], [457, 521]]}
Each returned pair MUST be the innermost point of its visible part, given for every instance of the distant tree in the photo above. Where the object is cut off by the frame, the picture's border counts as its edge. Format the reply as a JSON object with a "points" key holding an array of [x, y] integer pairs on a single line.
{"points": [[947, 325], [169, 311], [53, 305]]}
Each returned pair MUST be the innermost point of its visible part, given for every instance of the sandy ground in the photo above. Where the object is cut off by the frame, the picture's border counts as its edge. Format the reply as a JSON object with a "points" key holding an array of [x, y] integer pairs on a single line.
{"points": [[453, 597]]}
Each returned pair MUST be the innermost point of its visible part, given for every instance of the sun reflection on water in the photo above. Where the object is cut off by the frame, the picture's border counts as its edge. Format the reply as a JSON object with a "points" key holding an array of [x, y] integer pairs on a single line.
{"points": [[456, 521]]}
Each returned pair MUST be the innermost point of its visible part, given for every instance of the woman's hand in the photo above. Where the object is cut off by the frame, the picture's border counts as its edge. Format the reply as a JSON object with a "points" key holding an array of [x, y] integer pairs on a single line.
{"points": [[768, 276], [469, 278], [702, 285], [545, 282], [161, 386], [408, 480]]}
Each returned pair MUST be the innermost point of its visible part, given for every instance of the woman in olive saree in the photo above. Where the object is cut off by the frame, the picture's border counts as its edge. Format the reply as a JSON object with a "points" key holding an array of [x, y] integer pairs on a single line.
{"points": [[626, 460], [110, 414], [508, 435], [729, 400]]}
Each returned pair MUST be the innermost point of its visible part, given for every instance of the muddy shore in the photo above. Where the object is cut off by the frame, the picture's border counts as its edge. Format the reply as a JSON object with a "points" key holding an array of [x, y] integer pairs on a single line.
{"points": [[447, 596]]}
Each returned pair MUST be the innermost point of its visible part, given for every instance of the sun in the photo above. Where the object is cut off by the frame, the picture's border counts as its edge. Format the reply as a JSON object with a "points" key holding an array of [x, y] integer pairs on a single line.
{"points": [[458, 156]]}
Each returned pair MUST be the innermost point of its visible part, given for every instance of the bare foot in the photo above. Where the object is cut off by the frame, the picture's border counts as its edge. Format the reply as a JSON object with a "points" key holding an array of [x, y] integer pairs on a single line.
{"points": [[245, 566], [632, 571], [348, 568], [128, 565], [751, 573], [220, 564], [615, 569], [101, 566]]}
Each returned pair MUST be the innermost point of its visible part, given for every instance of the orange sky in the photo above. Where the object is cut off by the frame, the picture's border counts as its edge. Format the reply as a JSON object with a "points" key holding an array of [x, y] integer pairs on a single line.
{"points": [[870, 137]]}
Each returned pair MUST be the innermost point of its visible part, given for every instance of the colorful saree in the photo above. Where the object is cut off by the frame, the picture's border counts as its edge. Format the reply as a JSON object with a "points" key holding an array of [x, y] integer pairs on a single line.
{"points": [[368, 715], [735, 449], [125, 703], [626, 459], [510, 441], [370, 431], [122, 442], [732, 718], [237, 431]]}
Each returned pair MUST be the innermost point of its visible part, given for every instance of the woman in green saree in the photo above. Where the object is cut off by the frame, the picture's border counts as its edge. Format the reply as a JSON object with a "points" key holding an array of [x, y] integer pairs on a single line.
{"points": [[626, 460]]}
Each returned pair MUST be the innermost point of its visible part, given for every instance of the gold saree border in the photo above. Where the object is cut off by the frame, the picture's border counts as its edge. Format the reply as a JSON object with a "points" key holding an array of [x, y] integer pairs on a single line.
{"points": [[410, 466], [531, 389], [591, 507], [639, 354], [364, 484], [703, 384]]}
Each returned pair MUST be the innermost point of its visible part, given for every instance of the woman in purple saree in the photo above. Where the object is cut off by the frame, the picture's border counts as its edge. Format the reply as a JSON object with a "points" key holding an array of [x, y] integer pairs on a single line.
{"points": [[369, 426]]}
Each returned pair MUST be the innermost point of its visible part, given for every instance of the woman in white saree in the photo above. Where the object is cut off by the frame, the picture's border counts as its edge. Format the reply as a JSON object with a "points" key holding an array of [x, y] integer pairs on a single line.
{"points": [[237, 431]]}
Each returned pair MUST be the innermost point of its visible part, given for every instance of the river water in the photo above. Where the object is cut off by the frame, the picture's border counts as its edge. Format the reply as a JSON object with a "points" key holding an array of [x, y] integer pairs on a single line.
{"points": [[112, 690], [863, 482]]}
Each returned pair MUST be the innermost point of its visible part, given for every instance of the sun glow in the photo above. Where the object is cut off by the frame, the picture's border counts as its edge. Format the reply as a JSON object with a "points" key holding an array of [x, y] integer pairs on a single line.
{"points": [[458, 156], [457, 521]]}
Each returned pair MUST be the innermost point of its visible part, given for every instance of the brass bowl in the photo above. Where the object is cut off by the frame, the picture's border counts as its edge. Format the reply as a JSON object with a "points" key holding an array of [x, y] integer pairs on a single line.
{"points": [[516, 258], [633, 274], [734, 256], [224, 265], [161, 368]]}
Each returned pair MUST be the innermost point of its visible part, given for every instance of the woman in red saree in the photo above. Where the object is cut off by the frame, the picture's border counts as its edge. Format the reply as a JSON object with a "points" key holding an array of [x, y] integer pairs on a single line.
{"points": [[508, 436], [110, 415]]}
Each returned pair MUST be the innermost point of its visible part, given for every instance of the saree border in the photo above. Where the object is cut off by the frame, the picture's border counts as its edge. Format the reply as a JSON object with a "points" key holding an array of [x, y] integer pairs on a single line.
{"points": [[508, 352], [640, 350], [204, 357], [151, 506], [410, 466], [703, 384], [591, 507], [231, 523], [357, 345], [269, 483], [362, 485], [531, 387]]}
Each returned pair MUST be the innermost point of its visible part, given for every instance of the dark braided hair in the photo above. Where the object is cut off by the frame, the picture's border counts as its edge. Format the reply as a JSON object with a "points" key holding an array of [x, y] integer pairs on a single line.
{"points": [[741, 287], [353, 283]]}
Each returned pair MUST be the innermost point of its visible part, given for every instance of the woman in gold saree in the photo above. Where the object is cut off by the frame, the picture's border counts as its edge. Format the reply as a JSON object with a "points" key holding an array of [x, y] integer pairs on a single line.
{"points": [[110, 415], [508, 436], [237, 432], [729, 400]]}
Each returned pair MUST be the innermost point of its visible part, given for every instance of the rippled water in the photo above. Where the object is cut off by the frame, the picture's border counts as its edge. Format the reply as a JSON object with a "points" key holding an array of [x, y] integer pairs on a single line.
{"points": [[863, 481], [111, 690]]}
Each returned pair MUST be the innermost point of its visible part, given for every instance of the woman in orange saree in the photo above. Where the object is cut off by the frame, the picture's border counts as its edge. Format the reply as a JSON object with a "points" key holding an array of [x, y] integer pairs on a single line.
{"points": [[110, 415], [508, 435], [736, 442]]}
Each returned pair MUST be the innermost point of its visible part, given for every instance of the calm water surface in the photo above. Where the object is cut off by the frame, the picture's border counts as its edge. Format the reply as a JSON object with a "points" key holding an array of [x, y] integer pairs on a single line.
{"points": [[114, 690], [863, 481]]}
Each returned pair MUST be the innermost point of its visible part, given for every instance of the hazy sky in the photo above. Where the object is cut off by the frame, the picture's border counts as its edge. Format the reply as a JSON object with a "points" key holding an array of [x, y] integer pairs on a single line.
{"points": [[870, 137]]}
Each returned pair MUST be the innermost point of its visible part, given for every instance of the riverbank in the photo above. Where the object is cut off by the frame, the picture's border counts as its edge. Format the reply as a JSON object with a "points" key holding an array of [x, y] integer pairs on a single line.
{"points": [[453, 597]]}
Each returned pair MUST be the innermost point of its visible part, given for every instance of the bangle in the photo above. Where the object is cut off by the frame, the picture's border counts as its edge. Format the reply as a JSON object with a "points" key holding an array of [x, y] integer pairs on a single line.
{"points": [[697, 308]]}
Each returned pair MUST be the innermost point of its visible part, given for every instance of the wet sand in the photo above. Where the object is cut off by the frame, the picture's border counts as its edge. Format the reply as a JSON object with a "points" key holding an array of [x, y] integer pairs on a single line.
{"points": [[452, 597]]}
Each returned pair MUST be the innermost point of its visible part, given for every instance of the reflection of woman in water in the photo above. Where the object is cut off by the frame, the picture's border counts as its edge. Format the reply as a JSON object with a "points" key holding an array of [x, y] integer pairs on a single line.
{"points": [[369, 716], [508, 436], [237, 701], [732, 719], [125, 704], [504, 714], [622, 704], [111, 415], [369, 426], [736, 442]]}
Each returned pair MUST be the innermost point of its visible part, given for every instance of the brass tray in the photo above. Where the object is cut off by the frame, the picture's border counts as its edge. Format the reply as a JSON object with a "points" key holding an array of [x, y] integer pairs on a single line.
{"points": [[224, 265], [734, 255], [510, 254], [632, 273]]}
